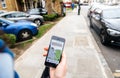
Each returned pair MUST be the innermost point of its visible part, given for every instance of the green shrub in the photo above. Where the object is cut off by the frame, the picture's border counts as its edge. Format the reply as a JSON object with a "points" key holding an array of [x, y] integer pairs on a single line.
{"points": [[50, 17], [10, 39]]}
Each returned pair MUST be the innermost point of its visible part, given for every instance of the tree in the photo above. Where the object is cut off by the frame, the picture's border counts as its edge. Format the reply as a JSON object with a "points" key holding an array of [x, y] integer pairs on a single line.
{"points": [[57, 6], [53, 6], [49, 6]]}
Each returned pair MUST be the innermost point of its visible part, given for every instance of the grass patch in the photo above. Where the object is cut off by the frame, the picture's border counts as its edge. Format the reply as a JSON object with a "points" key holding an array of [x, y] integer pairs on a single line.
{"points": [[43, 29]]}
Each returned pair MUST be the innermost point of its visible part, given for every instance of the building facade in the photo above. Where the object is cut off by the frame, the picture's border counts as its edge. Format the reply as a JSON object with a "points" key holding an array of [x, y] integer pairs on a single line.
{"points": [[8, 5], [24, 5], [20, 5]]}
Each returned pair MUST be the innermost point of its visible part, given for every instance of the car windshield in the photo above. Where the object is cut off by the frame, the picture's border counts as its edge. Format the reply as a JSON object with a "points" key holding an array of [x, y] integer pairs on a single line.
{"points": [[7, 20], [34, 11], [43, 9], [111, 13]]}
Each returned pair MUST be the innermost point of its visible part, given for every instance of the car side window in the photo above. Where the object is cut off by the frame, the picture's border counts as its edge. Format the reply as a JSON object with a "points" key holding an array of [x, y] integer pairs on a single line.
{"points": [[13, 15], [20, 15], [40, 10], [36, 10], [7, 16]]}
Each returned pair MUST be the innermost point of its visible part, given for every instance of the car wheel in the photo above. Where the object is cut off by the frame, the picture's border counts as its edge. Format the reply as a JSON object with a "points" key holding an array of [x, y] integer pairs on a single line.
{"points": [[104, 37], [24, 35], [38, 22]]}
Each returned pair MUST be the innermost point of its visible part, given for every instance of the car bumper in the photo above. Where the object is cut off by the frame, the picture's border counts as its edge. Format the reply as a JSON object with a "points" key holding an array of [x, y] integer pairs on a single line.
{"points": [[114, 39], [35, 31]]}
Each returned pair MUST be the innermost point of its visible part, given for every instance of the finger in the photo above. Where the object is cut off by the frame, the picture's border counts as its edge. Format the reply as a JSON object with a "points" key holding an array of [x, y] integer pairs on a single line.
{"points": [[46, 48], [45, 54]]}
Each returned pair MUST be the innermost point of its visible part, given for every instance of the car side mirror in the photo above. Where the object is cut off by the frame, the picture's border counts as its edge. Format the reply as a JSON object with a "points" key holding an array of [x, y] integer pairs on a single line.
{"points": [[97, 17]]}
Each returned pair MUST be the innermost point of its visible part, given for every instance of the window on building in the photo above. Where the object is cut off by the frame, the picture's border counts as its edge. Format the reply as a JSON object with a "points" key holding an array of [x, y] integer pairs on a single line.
{"points": [[3, 2]]}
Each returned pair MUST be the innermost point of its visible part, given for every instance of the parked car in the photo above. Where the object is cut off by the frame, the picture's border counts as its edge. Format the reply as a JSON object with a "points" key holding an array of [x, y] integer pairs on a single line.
{"points": [[107, 22], [23, 30], [16, 16], [85, 3], [37, 11], [68, 4]]}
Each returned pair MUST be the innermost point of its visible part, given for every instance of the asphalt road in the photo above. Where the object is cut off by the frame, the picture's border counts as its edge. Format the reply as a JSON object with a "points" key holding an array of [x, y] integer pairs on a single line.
{"points": [[111, 53]]}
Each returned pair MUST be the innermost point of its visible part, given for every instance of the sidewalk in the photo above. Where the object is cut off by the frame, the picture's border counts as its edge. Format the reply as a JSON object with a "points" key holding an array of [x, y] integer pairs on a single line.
{"points": [[82, 55]]}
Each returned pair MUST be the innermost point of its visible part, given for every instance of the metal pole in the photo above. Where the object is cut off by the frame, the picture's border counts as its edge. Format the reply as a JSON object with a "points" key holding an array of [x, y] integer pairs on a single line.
{"points": [[79, 7]]}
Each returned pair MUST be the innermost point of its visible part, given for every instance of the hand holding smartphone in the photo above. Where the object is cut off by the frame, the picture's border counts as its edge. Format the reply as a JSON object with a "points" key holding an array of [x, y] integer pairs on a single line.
{"points": [[55, 51]]}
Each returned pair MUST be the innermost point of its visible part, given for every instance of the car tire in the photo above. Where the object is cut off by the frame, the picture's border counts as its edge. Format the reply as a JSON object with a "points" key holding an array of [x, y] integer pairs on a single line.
{"points": [[38, 22], [24, 35], [104, 37]]}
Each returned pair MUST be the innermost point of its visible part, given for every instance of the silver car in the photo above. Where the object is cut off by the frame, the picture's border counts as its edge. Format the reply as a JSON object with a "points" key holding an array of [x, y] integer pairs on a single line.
{"points": [[16, 16]]}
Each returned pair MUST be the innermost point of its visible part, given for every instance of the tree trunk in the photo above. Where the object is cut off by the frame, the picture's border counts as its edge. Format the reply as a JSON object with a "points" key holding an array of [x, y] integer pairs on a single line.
{"points": [[57, 6], [49, 6]]}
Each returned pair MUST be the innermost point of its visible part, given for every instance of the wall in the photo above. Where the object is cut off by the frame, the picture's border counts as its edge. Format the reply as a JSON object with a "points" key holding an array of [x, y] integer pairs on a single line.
{"points": [[10, 5]]}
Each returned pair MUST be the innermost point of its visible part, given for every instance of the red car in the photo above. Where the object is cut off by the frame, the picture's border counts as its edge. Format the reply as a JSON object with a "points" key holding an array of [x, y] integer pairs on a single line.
{"points": [[68, 4]]}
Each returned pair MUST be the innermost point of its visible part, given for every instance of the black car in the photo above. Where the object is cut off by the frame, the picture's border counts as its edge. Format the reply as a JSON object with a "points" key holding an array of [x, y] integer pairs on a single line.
{"points": [[37, 11], [107, 23]]}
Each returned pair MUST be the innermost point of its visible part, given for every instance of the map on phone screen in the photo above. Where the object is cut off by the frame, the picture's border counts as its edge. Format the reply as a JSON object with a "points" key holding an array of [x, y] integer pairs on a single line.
{"points": [[55, 51]]}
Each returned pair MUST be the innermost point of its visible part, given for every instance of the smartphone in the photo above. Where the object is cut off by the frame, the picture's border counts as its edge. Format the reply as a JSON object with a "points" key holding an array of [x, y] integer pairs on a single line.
{"points": [[55, 51]]}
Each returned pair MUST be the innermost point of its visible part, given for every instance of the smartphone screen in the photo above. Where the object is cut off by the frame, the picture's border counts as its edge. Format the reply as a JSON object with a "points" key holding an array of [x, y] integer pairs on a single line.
{"points": [[55, 51]]}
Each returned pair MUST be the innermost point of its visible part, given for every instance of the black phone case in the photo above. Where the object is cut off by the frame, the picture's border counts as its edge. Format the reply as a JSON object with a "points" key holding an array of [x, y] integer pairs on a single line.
{"points": [[52, 64]]}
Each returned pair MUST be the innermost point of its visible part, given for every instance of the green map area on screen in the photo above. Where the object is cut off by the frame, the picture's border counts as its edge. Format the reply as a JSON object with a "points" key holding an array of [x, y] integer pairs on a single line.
{"points": [[57, 54]]}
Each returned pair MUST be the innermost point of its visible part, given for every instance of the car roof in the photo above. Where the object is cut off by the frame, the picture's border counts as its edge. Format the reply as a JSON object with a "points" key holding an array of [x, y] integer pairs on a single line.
{"points": [[96, 5], [37, 8], [103, 6], [9, 13], [107, 7]]}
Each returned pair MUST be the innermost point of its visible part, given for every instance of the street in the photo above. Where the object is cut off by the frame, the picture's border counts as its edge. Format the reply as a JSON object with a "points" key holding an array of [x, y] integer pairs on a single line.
{"points": [[111, 53]]}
